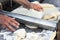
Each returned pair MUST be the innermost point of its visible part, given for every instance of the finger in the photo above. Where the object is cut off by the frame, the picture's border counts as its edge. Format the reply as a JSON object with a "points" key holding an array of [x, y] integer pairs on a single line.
{"points": [[5, 27], [9, 27], [13, 24], [41, 9], [12, 20], [16, 22], [37, 8]]}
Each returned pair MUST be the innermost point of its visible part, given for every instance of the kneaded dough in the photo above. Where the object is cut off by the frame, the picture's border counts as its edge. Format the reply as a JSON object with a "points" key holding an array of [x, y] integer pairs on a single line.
{"points": [[33, 36], [20, 34], [50, 17], [51, 12]]}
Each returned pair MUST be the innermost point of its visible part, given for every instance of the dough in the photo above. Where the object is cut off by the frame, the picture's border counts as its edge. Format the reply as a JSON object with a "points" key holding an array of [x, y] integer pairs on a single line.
{"points": [[20, 34], [51, 12], [32, 36], [47, 5], [50, 17], [33, 27]]}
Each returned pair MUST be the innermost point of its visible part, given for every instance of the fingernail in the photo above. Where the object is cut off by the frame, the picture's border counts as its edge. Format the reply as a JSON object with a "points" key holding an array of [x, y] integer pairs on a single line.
{"points": [[13, 30], [17, 26], [18, 23]]}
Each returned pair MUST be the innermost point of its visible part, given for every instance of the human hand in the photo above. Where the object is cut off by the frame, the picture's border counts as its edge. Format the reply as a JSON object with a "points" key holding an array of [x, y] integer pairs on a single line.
{"points": [[36, 7], [8, 22]]}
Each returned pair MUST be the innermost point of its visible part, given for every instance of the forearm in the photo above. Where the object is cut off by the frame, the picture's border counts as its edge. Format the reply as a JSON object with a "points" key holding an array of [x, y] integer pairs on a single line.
{"points": [[23, 2]]}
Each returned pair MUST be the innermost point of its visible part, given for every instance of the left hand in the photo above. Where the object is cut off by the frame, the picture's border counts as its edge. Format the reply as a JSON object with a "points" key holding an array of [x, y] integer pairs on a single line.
{"points": [[7, 22]]}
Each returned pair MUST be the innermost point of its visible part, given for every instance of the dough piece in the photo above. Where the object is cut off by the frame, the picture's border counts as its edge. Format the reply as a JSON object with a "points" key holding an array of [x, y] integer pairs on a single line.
{"points": [[20, 34], [34, 27], [33, 36], [50, 17], [47, 5], [56, 13], [53, 36]]}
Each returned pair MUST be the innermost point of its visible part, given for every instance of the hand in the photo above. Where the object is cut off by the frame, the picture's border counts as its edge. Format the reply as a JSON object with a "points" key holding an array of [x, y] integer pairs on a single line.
{"points": [[36, 7], [6, 22]]}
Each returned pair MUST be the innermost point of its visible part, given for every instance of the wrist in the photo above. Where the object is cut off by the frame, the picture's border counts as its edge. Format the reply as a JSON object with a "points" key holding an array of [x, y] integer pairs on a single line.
{"points": [[28, 4], [31, 5]]}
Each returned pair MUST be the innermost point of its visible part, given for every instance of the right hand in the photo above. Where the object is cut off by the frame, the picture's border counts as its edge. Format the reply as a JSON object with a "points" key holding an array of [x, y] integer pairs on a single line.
{"points": [[6, 22], [36, 7]]}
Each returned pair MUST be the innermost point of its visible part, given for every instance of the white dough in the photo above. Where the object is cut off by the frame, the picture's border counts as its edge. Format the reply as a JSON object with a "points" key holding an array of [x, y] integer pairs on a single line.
{"points": [[33, 36], [51, 12], [34, 27], [50, 17], [19, 34]]}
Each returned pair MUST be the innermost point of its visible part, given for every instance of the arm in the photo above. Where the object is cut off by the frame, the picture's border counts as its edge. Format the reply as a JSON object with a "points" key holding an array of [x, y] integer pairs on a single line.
{"points": [[23, 2], [28, 4]]}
